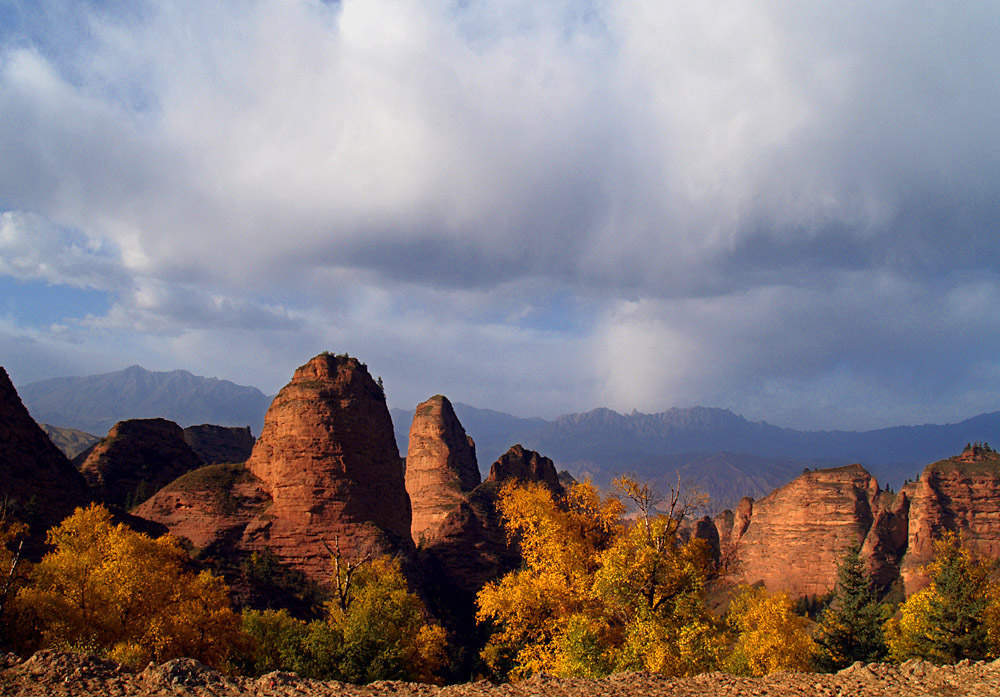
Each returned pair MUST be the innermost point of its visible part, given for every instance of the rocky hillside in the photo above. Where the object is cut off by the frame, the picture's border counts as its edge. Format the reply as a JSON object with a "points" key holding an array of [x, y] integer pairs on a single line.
{"points": [[95, 403], [71, 441], [58, 674]]}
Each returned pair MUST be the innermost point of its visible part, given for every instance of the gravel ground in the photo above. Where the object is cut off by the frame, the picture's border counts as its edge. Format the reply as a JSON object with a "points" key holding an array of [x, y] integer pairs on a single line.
{"points": [[58, 673]]}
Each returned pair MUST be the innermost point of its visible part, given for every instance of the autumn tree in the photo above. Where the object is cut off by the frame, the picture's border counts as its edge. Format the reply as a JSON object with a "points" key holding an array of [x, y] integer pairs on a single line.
{"points": [[376, 629], [851, 628], [534, 608], [653, 586], [770, 636], [12, 535], [595, 594], [126, 594], [957, 616]]}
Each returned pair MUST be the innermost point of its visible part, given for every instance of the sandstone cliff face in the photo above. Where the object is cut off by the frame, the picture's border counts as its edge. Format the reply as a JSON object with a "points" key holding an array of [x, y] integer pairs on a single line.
{"points": [[441, 466], [797, 534], [35, 476], [138, 457], [220, 444], [961, 494], [328, 460]]}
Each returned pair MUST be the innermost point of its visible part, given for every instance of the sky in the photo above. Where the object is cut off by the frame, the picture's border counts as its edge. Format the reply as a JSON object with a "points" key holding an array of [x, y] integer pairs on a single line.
{"points": [[790, 210]]}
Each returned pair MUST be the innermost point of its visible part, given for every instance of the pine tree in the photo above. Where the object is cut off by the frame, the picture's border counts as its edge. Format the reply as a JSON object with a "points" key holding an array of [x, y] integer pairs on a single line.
{"points": [[851, 627]]}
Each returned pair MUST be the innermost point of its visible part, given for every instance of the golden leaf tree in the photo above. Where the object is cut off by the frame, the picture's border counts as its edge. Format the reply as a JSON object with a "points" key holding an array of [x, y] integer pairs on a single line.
{"points": [[597, 593], [124, 594], [771, 637]]}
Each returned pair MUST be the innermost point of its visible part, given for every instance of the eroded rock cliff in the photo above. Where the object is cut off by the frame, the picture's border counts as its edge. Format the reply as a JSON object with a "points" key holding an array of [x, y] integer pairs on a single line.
{"points": [[793, 538], [328, 460], [441, 467], [960, 494]]}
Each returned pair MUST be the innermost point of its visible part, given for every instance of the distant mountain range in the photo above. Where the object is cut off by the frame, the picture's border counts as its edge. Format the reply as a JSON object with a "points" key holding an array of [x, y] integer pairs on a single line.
{"points": [[95, 403], [722, 452]]}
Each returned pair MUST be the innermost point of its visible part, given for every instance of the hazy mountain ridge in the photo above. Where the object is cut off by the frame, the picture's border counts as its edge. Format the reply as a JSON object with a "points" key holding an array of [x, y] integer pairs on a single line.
{"points": [[758, 455], [95, 403]]}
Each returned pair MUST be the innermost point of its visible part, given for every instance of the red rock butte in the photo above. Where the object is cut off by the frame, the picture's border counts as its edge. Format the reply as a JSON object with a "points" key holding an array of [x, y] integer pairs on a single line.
{"points": [[441, 466], [328, 459]]}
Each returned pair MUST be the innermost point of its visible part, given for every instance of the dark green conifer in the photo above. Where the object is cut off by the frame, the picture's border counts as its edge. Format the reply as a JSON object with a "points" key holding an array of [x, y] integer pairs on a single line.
{"points": [[851, 627]]}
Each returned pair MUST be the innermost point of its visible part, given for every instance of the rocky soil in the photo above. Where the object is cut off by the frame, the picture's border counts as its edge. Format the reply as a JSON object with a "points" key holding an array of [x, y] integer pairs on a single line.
{"points": [[60, 673]]}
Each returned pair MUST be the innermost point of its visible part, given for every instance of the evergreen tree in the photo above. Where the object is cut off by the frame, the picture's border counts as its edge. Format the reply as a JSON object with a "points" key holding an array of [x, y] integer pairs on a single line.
{"points": [[851, 627], [956, 616]]}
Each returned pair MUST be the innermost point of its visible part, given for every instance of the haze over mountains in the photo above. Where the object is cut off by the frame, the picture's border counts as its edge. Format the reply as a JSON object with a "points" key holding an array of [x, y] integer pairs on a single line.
{"points": [[723, 452], [95, 403]]}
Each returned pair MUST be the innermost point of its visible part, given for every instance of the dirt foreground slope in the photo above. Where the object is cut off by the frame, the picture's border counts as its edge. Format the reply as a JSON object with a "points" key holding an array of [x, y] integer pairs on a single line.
{"points": [[59, 673]]}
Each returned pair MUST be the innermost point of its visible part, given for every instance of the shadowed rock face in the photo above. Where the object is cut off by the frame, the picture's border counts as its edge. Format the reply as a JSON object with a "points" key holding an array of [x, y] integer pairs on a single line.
{"points": [[211, 507], [441, 466], [35, 477], [525, 465], [136, 459], [219, 444], [328, 460]]}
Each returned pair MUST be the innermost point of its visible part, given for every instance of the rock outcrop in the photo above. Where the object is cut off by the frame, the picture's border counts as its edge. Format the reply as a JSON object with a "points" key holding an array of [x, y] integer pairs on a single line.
{"points": [[793, 538], [36, 480], [136, 459], [328, 460], [441, 466], [525, 465], [220, 444], [961, 494], [211, 507]]}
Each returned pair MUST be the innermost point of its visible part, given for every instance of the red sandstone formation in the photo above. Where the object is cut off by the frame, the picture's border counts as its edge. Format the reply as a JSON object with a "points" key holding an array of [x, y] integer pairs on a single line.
{"points": [[211, 507], [137, 458], [961, 494], [327, 457], [441, 466], [35, 476], [798, 533]]}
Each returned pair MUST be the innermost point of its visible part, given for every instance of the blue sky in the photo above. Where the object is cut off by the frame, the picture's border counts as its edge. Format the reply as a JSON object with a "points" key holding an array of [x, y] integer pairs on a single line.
{"points": [[541, 207]]}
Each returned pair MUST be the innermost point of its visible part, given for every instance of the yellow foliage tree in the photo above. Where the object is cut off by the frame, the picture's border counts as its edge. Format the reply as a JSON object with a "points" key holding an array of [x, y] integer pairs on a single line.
{"points": [[535, 607], [594, 594], [771, 636], [127, 595]]}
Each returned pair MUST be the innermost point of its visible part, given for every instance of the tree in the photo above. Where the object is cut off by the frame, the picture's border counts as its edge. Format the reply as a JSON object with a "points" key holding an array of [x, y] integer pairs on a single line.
{"points": [[547, 607], [376, 630], [595, 594], [957, 616], [771, 637], [127, 595], [12, 535], [851, 628]]}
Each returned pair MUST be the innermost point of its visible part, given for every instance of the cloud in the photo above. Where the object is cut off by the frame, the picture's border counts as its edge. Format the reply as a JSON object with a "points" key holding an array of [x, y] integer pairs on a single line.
{"points": [[743, 203]]}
